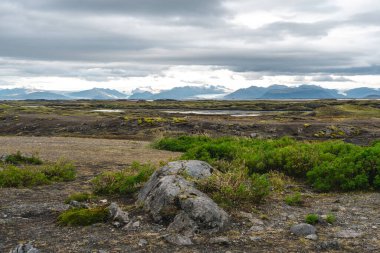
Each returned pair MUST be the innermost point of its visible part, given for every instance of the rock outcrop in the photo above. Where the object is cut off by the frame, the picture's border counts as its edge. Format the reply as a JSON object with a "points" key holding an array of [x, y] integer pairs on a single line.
{"points": [[25, 248], [172, 199]]}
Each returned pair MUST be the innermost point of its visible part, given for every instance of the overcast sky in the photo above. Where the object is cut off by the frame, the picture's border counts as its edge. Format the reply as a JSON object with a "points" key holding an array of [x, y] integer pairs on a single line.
{"points": [[125, 44]]}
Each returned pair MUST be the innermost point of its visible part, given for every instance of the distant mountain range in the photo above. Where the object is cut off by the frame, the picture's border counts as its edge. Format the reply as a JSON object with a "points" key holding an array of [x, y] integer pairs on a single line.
{"points": [[182, 93], [196, 92]]}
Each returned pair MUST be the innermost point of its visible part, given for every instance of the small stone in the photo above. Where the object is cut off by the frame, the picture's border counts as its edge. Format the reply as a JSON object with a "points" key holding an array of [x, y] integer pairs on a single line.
{"points": [[77, 204], [254, 135], [312, 237], [116, 224], [103, 201], [303, 229], [257, 221], [348, 234], [255, 238], [117, 214], [136, 224], [179, 240], [330, 245], [256, 229], [248, 216], [341, 208], [220, 240], [143, 242]]}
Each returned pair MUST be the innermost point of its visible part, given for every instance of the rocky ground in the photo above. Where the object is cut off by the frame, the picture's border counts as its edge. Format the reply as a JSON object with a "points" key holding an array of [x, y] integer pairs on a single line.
{"points": [[30, 214]]}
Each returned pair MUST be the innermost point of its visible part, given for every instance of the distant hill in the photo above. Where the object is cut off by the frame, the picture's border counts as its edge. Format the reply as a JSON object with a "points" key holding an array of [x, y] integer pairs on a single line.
{"points": [[9, 94], [301, 92], [181, 93], [145, 95], [252, 92], [373, 97], [42, 95], [98, 93], [284, 92], [363, 92]]}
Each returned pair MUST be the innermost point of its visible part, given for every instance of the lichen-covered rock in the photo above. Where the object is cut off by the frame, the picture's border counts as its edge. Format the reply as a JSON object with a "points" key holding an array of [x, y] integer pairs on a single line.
{"points": [[170, 198]]}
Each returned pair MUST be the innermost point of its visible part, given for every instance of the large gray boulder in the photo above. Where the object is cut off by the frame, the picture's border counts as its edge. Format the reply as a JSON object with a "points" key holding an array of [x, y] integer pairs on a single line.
{"points": [[170, 198]]}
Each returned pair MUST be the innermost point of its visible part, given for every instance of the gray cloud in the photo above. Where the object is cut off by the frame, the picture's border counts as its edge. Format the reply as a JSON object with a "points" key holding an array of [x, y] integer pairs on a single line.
{"points": [[330, 79], [101, 40], [124, 7]]}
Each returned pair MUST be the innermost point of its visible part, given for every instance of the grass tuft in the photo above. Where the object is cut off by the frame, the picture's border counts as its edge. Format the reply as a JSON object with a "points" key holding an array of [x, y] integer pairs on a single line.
{"points": [[331, 218], [18, 158], [294, 199], [83, 217], [312, 218], [127, 181]]}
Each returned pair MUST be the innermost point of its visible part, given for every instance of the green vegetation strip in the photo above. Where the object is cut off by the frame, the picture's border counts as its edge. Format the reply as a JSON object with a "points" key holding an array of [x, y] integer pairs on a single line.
{"points": [[327, 166], [32, 173]]}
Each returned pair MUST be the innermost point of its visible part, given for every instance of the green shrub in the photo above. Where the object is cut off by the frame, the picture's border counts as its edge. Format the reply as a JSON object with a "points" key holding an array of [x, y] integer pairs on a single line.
{"points": [[12, 176], [294, 199], [358, 170], [330, 218], [127, 181], [312, 219], [327, 166], [83, 217], [18, 159], [80, 197]]}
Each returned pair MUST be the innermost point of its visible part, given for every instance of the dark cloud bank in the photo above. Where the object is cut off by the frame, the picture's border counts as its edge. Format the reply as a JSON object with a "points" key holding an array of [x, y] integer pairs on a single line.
{"points": [[123, 38]]}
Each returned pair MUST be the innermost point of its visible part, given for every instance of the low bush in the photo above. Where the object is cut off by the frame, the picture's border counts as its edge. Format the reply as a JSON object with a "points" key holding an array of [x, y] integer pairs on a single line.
{"points": [[61, 171], [18, 158], [312, 219], [294, 199], [83, 217], [12, 176], [127, 181]]}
